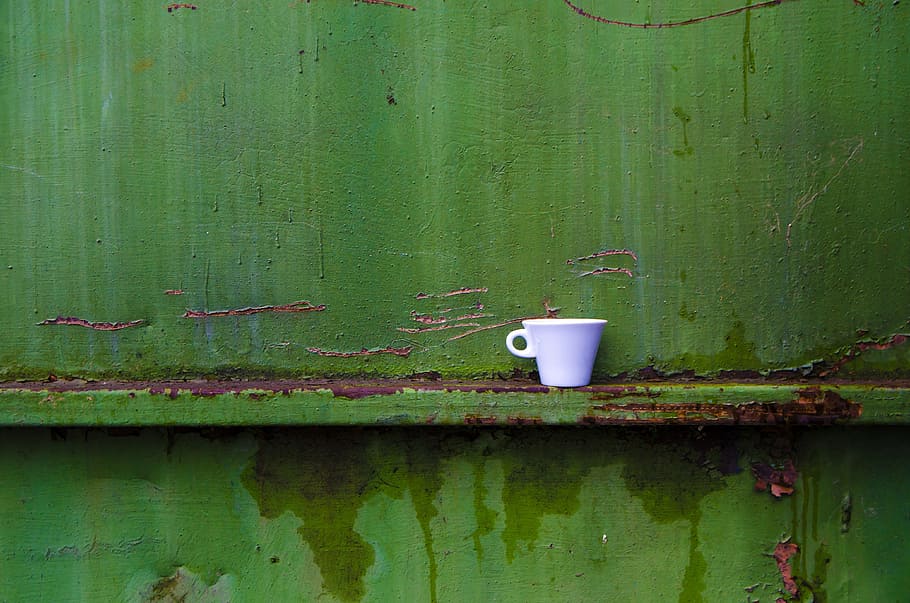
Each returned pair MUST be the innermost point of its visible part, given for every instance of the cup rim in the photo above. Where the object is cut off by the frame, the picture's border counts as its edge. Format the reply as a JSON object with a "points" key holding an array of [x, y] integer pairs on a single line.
{"points": [[563, 321]]}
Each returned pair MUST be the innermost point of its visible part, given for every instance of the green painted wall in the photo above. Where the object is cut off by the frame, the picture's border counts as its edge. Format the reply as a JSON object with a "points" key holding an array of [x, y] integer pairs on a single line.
{"points": [[357, 154], [613, 514]]}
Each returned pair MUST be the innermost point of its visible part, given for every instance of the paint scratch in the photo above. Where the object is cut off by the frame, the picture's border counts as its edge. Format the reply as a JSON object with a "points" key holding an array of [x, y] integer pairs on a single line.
{"points": [[605, 270], [462, 291], [809, 198], [298, 306], [604, 253], [550, 313], [389, 3], [727, 13], [461, 325], [98, 326], [173, 292], [403, 352]]}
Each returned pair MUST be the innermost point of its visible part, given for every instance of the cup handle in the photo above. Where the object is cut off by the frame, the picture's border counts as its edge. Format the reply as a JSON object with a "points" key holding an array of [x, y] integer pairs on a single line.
{"points": [[528, 352]]}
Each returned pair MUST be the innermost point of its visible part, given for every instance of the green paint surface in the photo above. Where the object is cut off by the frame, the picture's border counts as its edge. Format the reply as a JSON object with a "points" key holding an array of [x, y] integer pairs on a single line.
{"points": [[357, 155], [351, 515]]}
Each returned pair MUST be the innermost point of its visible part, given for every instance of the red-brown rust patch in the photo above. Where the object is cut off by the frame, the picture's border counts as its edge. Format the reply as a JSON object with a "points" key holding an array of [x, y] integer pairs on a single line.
{"points": [[779, 481], [782, 553], [479, 420], [298, 306], [811, 407], [98, 326], [623, 391]]}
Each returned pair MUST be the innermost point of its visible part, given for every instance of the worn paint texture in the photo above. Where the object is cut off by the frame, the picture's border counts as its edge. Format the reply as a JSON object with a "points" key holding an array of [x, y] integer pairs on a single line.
{"points": [[306, 190], [603, 514], [725, 186]]}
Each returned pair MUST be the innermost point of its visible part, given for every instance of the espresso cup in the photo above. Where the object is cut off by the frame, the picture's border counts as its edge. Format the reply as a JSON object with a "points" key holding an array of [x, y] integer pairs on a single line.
{"points": [[565, 348]]}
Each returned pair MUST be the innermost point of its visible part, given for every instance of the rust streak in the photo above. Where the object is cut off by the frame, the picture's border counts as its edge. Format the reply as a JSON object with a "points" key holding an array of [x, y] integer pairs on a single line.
{"points": [[403, 352], [98, 326], [479, 420], [812, 407], [298, 306]]}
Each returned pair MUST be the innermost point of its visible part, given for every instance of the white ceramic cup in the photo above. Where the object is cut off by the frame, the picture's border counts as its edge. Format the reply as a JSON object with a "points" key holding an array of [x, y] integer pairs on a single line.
{"points": [[565, 348]]}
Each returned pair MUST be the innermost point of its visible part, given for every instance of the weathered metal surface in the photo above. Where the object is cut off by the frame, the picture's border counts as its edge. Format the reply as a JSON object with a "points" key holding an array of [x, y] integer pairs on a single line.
{"points": [[435, 403], [723, 184], [675, 514]]}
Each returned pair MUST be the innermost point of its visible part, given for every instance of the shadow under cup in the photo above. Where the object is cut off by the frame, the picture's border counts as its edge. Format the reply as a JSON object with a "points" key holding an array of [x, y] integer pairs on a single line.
{"points": [[565, 348]]}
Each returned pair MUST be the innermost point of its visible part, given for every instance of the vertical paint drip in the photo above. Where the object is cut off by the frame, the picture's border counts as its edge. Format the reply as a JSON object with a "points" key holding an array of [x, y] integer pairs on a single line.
{"points": [[748, 63]]}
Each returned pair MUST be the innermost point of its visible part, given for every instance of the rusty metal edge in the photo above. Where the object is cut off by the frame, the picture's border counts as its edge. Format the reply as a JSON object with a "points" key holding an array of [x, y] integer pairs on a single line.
{"points": [[448, 403]]}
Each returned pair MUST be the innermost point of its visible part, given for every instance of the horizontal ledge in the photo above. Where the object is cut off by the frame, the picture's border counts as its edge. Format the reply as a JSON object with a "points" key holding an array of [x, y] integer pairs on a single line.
{"points": [[415, 402]]}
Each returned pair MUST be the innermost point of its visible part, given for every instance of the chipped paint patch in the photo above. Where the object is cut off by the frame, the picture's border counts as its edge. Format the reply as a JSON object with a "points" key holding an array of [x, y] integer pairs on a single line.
{"points": [[298, 306], [97, 326]]}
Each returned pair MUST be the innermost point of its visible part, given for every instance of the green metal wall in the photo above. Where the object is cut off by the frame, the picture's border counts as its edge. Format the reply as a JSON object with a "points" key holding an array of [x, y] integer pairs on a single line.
{"points": [[358, 154], [614, 514], [373, 189]]}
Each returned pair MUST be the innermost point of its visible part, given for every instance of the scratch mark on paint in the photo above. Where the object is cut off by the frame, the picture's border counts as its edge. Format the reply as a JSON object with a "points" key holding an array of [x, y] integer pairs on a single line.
{"points": [[727, 13], [403, 352], [438, 327], [173, 292], [389, 3], [550, 313], [810, 197], [605, 270], [171, 8], [98, 326], [602, 254], [782, 553], [462, 291], [429, 319], [298, 306]]}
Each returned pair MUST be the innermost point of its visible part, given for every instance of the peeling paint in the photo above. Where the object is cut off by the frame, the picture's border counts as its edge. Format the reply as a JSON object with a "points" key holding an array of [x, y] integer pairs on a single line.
{"points": [[172, 8], [298, 306], [98, 326], [403, 352], [783, 551]]}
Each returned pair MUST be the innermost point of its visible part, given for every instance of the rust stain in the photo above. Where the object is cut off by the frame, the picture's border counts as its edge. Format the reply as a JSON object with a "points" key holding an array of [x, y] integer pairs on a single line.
{"points": [[173, 292], [811, 407], [98, 326], [143, 64], [610, 392], [298, 306], [172, 8], [403, 352], [862, 346], [780, 482], [782, 554], [479, 420]]}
